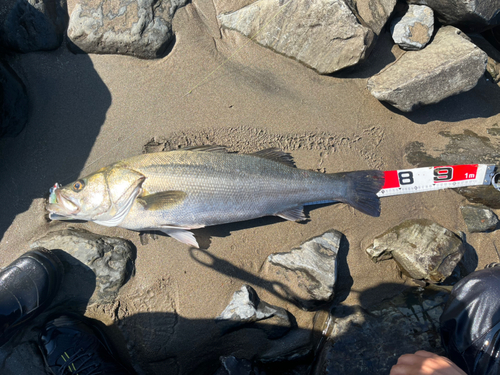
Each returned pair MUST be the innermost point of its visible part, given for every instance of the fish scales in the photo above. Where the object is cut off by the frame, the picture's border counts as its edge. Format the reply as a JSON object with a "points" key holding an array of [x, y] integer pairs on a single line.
{"points": [[223, 188]]}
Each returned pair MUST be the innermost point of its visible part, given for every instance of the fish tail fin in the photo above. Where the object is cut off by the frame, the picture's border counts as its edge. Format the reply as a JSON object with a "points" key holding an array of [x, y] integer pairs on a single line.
{"points": [[362, 190]]}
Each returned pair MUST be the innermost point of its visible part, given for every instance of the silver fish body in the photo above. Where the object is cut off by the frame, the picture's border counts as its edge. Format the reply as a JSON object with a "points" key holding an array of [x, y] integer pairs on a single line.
{"points": [[180, 190]]}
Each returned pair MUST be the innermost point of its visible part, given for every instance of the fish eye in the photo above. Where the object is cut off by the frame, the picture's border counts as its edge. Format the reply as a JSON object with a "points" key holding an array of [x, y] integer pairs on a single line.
{"points": [[78, 185]]}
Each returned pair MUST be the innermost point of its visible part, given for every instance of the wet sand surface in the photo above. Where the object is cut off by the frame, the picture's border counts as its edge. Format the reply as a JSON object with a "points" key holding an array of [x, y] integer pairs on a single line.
{"points": [[88, 111]]}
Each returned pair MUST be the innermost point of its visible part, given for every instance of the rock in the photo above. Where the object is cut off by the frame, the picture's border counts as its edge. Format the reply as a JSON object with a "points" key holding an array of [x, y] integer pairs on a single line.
{"points": [[246, 307], [306, 31], [470, 15], [231, 365], [110, 258], [423, 250], [374, 13], [283, 355], [295, 345], [493, 65], [468, 263], [141, 28], [486, 195], [493, 36], [448, 66], [14, 102], [465, 148], [32, 25], [309, 272], [369, 341], [479, 218], [414, 30], [493, 69]]}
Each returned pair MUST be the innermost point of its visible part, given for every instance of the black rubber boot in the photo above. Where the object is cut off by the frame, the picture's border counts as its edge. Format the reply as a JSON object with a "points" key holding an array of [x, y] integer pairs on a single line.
{"points": [[27, 286], [73, 344]]}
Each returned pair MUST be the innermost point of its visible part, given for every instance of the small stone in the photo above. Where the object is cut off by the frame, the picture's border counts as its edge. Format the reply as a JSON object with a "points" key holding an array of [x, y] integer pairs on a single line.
{"points": [[422, 249], [309, 271], [324, 35], [448, 66], [246, 307], [110, 258], [479, 218], [414, 30]]}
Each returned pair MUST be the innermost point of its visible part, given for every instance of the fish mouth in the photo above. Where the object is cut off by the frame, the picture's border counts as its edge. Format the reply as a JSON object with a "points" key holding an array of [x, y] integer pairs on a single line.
{"points": [[61, 206]]}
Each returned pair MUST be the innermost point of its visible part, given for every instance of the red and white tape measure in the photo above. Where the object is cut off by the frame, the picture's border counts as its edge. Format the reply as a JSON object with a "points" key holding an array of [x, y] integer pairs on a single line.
{"points": [[417, 180]]}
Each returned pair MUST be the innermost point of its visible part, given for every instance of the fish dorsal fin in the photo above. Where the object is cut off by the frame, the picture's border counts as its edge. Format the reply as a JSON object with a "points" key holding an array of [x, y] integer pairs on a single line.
{"points": [[162, 200], [205, 148], [293, 214], [276, 154]]}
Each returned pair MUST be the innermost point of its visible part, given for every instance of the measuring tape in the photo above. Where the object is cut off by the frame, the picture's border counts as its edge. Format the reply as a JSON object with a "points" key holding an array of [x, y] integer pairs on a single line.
{"points": [[417, 180]]}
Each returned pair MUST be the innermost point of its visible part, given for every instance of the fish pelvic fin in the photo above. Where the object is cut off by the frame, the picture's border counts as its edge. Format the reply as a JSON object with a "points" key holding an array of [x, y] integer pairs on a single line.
{"points": [[275, 154], [182, 235], [362, 189], [162, 200], [293, 214]]}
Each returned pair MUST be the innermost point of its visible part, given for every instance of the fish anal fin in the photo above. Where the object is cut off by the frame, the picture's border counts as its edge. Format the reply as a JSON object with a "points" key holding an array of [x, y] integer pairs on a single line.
{"points": [[183, 236], [293, 214], [275, 154], [162, 200]]}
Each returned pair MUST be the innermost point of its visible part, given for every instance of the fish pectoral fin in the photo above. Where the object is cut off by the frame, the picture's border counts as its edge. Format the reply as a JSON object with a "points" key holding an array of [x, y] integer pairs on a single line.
{"points": [[293, 214], [275, 154], [183, 236], [161, 201]]}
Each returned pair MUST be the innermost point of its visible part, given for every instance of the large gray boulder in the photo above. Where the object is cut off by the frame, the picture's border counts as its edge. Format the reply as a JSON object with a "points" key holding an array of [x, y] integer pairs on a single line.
{"points": [[322, 34], [32, 25], [141, 28], [475, 15], [422, 249], [451, 64], [14, 107]]}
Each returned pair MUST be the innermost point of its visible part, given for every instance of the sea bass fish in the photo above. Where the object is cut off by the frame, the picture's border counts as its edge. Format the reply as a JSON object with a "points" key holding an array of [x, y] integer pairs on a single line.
{"points": [[180, 190]]}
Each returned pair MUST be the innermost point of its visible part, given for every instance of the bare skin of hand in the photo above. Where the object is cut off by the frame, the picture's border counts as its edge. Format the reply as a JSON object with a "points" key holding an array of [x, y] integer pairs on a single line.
{"points": [[425, 363]]}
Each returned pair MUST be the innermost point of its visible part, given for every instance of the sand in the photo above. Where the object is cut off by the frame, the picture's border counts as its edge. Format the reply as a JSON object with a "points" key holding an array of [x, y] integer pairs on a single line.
{"points": [[88, 111]]}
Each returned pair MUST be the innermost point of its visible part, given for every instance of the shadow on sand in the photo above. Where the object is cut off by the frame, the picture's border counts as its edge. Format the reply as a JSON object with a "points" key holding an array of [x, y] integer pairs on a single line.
{"points": [[68, 105], [157, 343]]}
